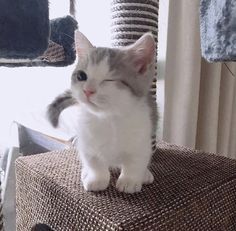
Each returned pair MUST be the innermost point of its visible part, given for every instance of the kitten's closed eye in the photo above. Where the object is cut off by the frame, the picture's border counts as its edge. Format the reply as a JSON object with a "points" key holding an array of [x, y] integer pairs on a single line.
{"points": [[109, 80], [82, 76], [123, 83]]}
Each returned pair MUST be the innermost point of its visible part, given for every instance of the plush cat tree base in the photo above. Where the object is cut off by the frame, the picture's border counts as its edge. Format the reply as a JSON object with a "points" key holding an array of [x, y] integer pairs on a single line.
{"points": [[192, 191]]}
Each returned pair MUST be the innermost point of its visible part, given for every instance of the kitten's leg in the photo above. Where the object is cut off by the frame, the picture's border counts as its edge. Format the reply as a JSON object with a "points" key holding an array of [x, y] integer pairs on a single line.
{"points": [[95, 174], [132, 176]]}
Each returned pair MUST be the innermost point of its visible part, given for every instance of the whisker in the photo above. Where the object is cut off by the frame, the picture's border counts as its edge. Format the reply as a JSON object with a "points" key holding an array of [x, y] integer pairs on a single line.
{"points": [[67, 35]]}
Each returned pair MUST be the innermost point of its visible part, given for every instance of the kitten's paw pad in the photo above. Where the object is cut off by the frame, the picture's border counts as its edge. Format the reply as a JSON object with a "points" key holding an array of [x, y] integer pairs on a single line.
{"points": [[95, 183], [148, 178], [128, 185]]}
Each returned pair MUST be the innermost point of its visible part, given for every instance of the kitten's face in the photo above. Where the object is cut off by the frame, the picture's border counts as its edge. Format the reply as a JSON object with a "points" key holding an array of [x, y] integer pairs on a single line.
{"points": [[108, 80]]}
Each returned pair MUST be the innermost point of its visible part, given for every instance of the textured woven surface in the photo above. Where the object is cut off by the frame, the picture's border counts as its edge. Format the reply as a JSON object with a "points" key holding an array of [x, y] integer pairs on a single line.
{"points": [[54, 53], [192, 191], [130, 20]]}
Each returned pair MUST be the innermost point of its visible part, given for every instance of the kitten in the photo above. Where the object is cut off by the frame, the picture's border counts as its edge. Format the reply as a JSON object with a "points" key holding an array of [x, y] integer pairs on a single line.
{"points": [[117, 115]]}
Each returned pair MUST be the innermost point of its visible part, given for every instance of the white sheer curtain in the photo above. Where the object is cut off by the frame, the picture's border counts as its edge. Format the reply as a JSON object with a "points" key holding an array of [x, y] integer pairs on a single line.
{"points": [[200, 98]]}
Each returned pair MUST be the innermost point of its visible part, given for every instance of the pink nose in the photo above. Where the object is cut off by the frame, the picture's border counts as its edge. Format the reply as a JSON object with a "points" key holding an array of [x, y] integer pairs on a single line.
{"points": [[88, 93]]}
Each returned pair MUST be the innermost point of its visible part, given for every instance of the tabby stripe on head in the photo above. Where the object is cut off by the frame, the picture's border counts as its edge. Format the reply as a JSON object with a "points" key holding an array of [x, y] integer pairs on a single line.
{"points": [[60, 103], [130, 20]]}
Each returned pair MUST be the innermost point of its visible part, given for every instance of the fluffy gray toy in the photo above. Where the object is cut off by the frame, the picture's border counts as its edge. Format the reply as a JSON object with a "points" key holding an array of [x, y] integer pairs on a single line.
{"points": [[218, 30]]}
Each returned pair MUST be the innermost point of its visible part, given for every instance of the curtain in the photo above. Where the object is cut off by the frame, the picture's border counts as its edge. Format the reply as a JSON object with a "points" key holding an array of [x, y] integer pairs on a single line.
{"points": [[200, 97]]}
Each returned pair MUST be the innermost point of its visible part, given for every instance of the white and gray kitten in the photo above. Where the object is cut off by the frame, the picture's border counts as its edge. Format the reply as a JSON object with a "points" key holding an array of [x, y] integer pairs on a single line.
{"points": [[117, 114]]}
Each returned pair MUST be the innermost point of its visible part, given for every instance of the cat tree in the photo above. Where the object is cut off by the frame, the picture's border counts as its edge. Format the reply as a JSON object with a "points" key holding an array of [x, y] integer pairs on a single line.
{"points": [[192, 190]]}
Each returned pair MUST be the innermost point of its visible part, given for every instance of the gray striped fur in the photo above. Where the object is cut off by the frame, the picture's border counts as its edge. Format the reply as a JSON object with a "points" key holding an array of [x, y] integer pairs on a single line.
{"points": [[120, 65], [60, 103]]}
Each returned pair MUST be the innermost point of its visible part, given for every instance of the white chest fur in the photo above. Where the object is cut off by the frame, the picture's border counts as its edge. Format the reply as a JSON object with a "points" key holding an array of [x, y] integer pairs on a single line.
{"points": [[114, 139]]}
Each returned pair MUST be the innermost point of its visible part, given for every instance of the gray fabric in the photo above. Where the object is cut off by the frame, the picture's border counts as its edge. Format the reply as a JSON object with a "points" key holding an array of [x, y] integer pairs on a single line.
{"points": [[218, 30], [33, 142], [24, 28], [62, 33]]}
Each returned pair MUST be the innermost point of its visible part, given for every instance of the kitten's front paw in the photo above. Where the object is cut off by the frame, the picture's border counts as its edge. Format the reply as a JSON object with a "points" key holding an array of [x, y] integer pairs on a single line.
{"points": [[148, 178], [95, 183], [128, 185]]}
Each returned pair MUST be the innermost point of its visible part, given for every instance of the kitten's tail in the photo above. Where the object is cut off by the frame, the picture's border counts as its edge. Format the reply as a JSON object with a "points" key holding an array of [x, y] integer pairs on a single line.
{"points": [[60, 103]]}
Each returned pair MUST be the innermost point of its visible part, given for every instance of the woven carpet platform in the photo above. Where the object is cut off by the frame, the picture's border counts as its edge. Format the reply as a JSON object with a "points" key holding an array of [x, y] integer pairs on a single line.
{"points": [[192, 191]]}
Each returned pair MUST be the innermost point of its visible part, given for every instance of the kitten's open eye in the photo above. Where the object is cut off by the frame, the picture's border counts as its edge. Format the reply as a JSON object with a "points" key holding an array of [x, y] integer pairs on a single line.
{"points": [[82, 76]]}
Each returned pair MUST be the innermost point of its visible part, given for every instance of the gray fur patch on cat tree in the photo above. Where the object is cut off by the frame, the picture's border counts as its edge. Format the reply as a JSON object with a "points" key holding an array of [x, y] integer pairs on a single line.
{"points": [[218, 30]]}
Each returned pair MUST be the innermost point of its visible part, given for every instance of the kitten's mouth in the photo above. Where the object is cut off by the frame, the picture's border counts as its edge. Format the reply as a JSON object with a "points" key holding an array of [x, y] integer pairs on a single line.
{"points": [[88, 101]]}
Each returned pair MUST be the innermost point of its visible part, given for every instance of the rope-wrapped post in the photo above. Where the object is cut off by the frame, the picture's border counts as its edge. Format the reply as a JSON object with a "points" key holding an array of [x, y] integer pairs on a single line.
{"points": [[130, 20]]}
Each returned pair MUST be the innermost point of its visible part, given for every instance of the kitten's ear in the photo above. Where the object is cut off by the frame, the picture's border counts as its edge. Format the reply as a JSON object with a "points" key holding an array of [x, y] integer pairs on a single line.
{"points": [[82, 44], [143, 52]]}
